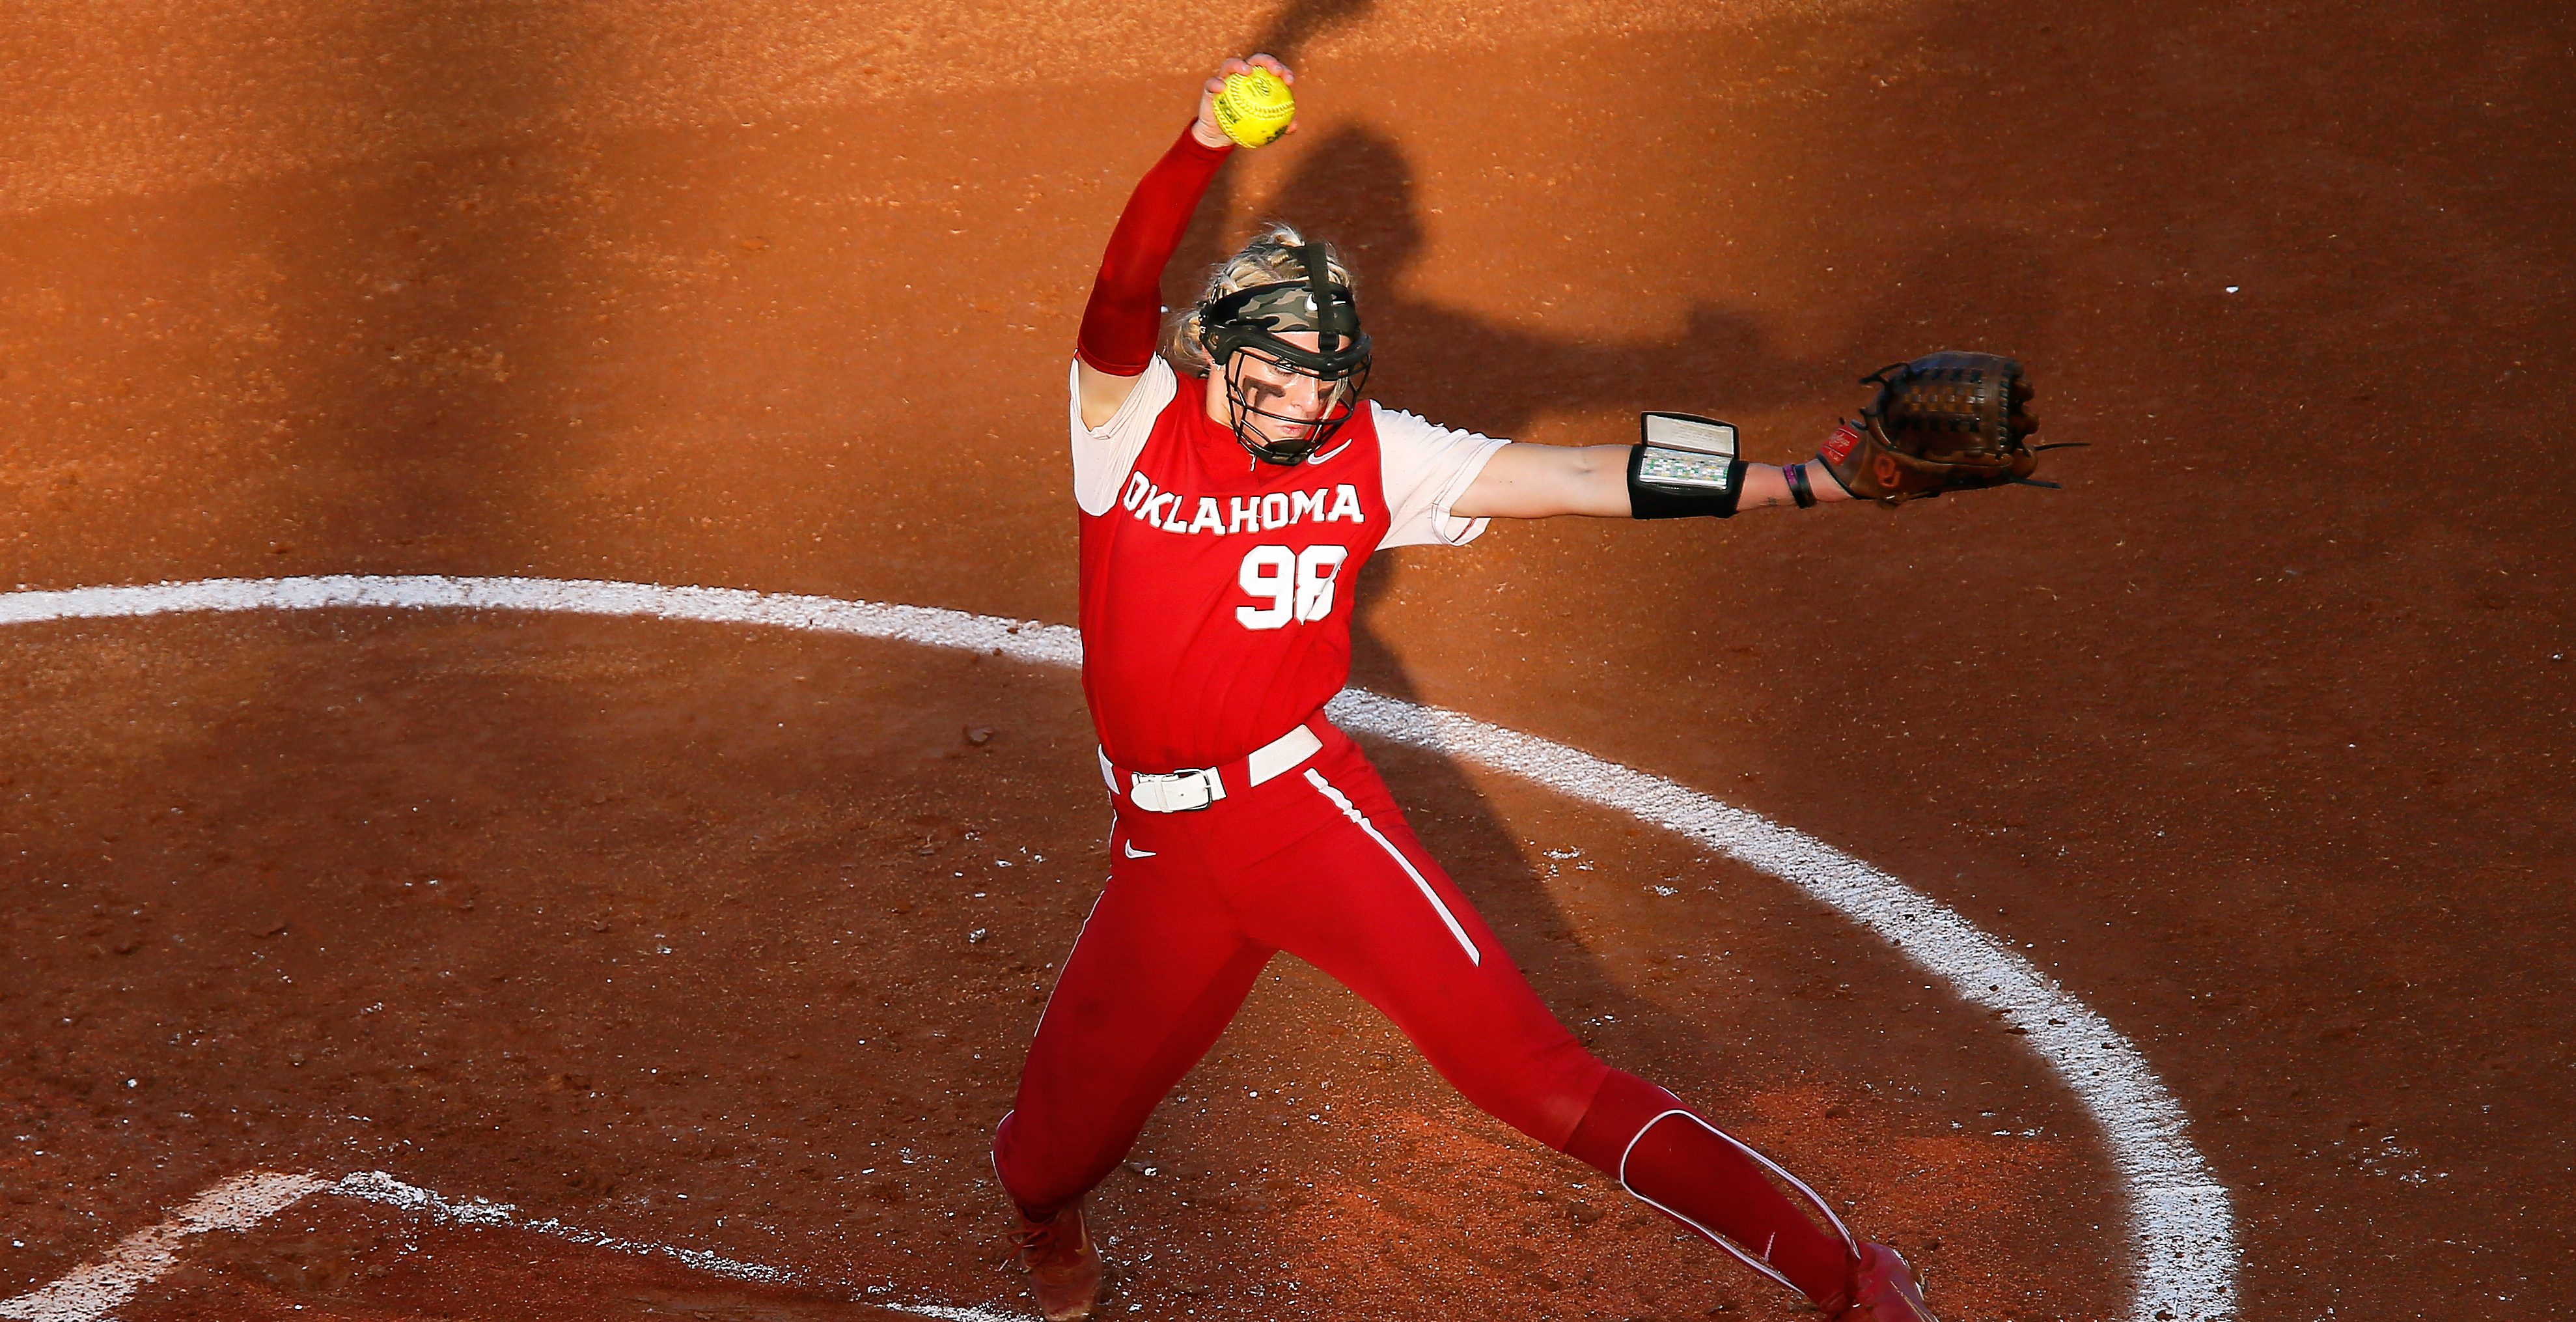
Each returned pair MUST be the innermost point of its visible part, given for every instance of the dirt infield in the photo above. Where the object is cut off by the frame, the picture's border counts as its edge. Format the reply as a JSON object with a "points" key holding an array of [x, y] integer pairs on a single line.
{"points": [[726, 939]]}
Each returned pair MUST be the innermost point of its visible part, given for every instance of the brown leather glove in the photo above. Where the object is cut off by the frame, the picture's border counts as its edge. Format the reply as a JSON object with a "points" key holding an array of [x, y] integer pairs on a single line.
{"points": [[1948, 421]]}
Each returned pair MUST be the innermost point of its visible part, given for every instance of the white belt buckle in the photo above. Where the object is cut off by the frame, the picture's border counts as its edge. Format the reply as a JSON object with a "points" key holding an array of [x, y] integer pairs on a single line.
{"points": [[1181, 791]]}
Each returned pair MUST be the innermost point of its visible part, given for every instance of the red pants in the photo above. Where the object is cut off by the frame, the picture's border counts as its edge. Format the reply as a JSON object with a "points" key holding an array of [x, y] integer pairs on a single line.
{"points": [[1318, 862]]}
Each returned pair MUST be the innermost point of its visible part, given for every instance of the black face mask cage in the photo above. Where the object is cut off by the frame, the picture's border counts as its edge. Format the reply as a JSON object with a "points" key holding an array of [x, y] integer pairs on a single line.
{"points": [[1252, 322], [1300, 435]]}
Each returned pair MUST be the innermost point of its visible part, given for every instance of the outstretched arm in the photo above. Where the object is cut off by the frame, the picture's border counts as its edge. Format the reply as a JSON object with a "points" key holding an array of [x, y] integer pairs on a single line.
{"points": [[1949, 421], [1125, 314], [1525, 481]]}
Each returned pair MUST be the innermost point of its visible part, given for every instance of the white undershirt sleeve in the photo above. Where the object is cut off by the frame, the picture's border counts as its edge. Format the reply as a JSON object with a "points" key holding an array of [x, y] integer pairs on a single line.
{"points": [[1427, 468], [1101, 458]]}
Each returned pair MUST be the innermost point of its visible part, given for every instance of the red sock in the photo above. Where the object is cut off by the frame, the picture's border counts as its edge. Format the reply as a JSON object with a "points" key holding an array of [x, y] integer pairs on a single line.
{"points": [[1683, 1167]]}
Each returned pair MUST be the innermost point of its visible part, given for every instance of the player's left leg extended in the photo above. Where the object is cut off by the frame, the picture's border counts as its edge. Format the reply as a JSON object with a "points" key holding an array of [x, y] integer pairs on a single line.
{"points": [[1363, 901]]}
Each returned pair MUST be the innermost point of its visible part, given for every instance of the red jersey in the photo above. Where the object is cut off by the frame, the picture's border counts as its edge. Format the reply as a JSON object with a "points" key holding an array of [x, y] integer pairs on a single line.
{"points": [[1216, 590]]}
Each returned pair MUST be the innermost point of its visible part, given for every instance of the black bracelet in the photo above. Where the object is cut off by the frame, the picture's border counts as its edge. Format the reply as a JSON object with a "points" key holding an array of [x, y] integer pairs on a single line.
{"points": [[1799, 491], [1649, 501]]}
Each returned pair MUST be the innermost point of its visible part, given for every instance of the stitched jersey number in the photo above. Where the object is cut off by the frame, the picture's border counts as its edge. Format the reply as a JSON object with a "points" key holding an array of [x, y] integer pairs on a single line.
{"points": [[1298, 585]]}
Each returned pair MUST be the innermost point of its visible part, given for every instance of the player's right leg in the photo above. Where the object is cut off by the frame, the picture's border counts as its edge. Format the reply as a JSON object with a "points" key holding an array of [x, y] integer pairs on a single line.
{"points": [[1157, 973]]}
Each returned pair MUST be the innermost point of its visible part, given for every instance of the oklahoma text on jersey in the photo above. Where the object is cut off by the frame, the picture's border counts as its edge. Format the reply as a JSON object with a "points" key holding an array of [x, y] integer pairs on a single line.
{"points": [[1263, 513]]}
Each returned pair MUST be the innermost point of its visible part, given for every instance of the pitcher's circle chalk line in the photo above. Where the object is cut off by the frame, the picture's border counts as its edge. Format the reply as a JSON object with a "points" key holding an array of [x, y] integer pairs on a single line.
{"points": [[2181, 1218]]}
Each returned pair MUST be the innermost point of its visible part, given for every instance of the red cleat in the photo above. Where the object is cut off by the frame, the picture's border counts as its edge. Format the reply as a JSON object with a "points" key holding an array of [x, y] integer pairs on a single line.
{"points": [[1064, 1272], [1883, 1290]]}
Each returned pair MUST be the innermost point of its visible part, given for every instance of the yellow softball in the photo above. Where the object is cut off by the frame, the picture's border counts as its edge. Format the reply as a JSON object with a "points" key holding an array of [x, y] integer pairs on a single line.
{"points": [[1255, 107]]}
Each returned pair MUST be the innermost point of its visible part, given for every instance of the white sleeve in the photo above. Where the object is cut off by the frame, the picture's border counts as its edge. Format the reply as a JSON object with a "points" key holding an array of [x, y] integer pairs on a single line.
{"points": [[1427, 469], [1101, 458]]}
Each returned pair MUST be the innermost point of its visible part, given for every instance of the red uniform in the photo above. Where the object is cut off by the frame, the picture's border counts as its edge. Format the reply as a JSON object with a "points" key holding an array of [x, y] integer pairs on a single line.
{"points": [[1216, 605], [1216, 611]]}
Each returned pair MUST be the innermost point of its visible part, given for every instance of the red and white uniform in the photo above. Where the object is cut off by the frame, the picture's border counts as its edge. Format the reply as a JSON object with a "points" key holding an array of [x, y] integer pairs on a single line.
{"points": [[1216, 612], [1216, 615], [1216, 590]]}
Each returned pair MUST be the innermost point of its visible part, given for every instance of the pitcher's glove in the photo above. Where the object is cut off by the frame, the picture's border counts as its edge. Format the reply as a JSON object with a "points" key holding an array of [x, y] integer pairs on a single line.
{"points": [[1948, 421]]}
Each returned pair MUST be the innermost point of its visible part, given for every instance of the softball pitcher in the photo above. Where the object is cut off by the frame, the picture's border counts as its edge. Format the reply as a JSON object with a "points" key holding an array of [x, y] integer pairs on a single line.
{"points": [[1230, 487]]}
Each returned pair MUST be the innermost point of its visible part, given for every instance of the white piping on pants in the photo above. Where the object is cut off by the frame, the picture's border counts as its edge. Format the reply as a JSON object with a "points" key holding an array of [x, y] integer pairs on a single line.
{"points": [[1316, 779], [1762, 1263]]}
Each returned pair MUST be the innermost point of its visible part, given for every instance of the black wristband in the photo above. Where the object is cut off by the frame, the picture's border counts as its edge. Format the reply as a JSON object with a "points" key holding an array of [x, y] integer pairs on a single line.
{"points": [[1799, 491], [1654, 502]]}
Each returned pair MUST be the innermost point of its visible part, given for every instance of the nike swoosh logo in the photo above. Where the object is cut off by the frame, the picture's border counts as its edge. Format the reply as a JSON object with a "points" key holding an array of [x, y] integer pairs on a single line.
{"points": [[1319, 458], [1134, 852]]}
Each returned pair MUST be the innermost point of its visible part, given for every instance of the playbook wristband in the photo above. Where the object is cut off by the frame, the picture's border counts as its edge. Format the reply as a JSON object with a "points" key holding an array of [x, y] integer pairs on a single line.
{"points": [[1647, 500]]}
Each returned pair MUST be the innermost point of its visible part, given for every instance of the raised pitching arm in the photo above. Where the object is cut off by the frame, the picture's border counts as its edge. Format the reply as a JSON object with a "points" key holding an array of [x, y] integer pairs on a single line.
{"points": [[1125, 314]]}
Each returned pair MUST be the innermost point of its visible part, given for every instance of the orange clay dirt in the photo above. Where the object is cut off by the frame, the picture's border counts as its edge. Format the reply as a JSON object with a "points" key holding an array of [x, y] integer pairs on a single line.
{"points": [[2256, 736]]}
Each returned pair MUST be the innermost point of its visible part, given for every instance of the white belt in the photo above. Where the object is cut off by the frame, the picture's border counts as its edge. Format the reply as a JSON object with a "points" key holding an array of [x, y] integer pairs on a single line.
{"points": [[1189, 791]]}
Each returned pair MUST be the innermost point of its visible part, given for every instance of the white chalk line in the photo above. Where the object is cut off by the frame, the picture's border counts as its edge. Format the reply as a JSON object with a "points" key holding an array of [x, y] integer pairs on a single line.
{"points": [[2181, 1218], [378, 1187], [95, 1291]]}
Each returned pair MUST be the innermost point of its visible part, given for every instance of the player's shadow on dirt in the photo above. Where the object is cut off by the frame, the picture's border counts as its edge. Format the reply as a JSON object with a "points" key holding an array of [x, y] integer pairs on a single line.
{"points": [[1484, 857], [1467, 367], [1485, 369], [1289, 31]]}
